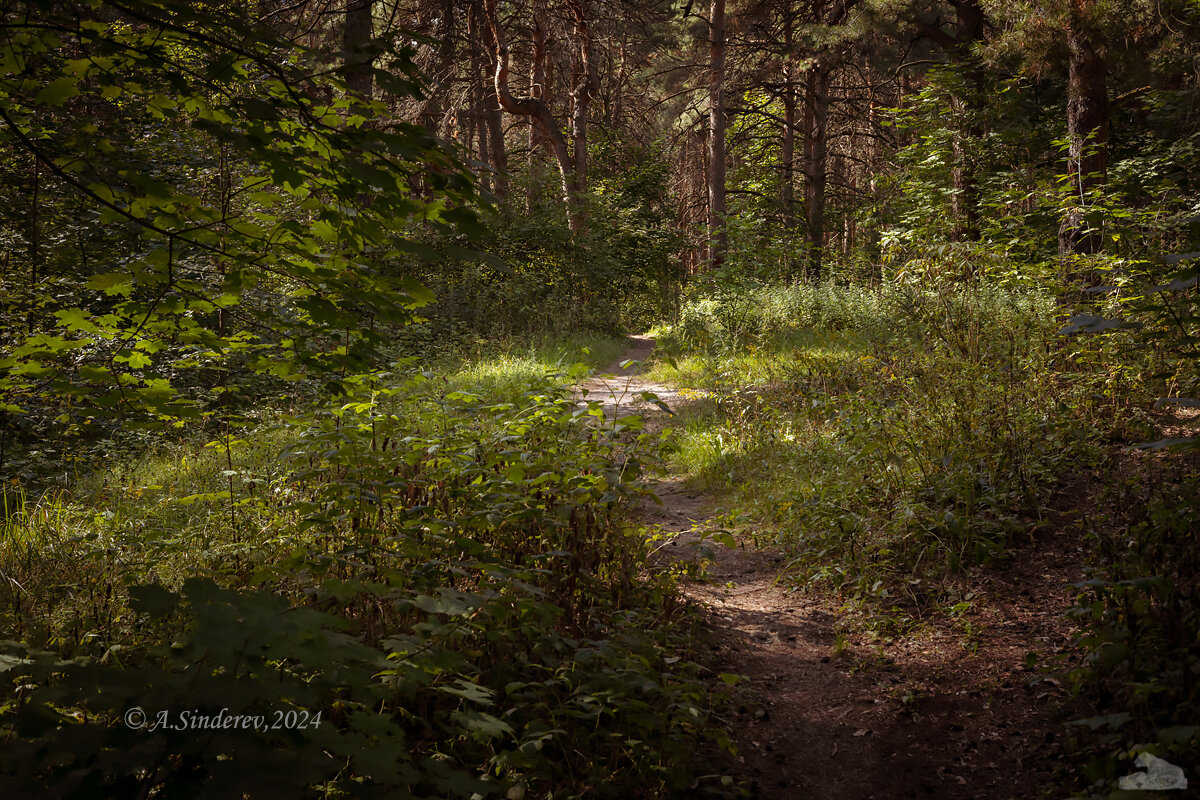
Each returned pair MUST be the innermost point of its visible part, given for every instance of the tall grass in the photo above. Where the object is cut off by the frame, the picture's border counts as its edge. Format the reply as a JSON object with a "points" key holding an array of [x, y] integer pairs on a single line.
{"points": [[435, 565], [191, 505], [887, 437]]}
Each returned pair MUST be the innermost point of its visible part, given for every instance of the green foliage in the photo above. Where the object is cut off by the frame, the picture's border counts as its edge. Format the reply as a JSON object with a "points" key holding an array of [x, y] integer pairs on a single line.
{"points": [[891, 437], [452, 592], [1000, 146], [537, 279], [227, 211], [1140, 614]]}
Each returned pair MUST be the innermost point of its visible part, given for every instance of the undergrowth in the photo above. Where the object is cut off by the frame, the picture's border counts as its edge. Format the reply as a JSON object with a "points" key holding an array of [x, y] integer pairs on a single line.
{"points": [[429, 587], [1139, 612], [888, 437]]}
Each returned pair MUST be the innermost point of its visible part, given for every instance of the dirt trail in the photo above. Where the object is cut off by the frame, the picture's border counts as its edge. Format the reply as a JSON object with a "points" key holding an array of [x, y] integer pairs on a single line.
{"points": [[949, 710], [620, 388]]}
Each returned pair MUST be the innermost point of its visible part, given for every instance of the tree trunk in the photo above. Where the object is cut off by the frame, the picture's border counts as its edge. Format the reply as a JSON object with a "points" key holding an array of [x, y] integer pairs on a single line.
{"points": [[617, 108], [539, 90], [494, 151], [816, 115], [477, 94], [965, 202], [787, 145], [356, 41], [581, 96], [537, 110], [851, 224], [431, 111], [966, 103], [717, 239], [499, 151], [787, 156], [1087, 131]]}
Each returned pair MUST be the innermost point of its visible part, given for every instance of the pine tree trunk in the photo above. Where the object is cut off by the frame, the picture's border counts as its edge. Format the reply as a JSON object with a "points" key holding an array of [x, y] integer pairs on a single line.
{"points": [[969, 104], [356, 38], [1087, 131], [787, 157], [499, 150], [539, 90], [477, 93], [717, 239], [816, 116], [430, 115], [581, 97]]}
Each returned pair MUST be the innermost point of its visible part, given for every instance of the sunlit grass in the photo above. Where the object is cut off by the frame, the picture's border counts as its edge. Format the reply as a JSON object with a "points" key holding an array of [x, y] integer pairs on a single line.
{"points": [[894, 435], [504, 376], [213, 501], [754, 363]]}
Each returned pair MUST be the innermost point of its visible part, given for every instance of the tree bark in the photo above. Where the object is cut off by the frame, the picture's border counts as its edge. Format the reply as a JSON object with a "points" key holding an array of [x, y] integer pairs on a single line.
{"points": [[581, 96], [493, 150], [816, 140], [717, 239], [966, 103], [432, 109], [478, 91], [499, 150], [1088, 112], [539, 89], [787, 145], [816, 116], [356, 39], [965, 203], [787, 155]]}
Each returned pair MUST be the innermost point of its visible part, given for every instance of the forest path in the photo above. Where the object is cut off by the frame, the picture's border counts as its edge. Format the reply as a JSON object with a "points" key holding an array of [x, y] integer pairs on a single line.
{"points": [[619, 388], [831, 711]]}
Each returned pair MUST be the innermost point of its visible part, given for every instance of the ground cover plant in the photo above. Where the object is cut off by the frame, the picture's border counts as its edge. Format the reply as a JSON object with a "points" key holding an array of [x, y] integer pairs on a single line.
{"points": [[887, 437], [454, 602], [893, 440], [302, 463]]}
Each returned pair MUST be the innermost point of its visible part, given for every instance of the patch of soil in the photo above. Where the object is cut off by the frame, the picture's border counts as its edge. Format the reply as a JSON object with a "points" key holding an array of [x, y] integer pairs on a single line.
{"points": [[950, 710], [619, 389], [947, 711]]}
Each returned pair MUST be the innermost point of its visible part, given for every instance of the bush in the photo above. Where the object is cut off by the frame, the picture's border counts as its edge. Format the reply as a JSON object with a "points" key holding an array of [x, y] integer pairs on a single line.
{"points": [[440, 585]]}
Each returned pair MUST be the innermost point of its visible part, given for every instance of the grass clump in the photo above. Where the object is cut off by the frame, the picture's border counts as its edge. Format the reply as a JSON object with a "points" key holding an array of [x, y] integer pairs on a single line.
{"points": [[889, 437]]}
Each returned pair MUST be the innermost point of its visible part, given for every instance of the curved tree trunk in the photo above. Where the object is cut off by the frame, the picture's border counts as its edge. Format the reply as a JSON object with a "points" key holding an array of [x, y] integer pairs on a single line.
{"points": [[493, 126], [536, 110]]}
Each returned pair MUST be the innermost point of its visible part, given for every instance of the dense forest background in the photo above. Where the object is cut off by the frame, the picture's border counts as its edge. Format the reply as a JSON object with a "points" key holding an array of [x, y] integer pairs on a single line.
{"points": [[294, 295]]}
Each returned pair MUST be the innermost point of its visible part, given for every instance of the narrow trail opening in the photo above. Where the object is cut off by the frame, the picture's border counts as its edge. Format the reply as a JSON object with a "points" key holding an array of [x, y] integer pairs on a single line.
{"points": [[952, 708]]}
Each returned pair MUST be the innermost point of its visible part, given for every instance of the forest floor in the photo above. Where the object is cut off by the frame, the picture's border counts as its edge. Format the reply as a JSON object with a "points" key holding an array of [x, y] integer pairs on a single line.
{"points": [[951, 707]]}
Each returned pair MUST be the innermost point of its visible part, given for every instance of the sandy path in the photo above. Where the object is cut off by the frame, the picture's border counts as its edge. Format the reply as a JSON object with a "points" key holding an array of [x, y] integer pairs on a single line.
{"points": [[619, 389]]}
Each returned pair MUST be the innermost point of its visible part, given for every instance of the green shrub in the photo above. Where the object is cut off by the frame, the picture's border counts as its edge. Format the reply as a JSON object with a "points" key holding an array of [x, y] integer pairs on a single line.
{"points": [[443, 580]]}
